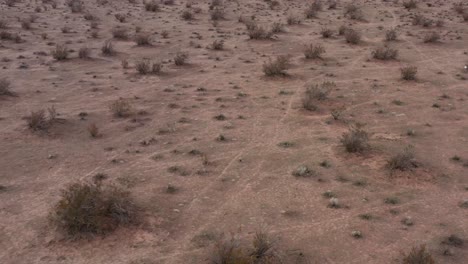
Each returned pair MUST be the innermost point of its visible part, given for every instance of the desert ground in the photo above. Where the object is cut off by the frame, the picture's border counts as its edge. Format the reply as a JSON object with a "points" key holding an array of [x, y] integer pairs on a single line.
{"points": [[183, 108]]}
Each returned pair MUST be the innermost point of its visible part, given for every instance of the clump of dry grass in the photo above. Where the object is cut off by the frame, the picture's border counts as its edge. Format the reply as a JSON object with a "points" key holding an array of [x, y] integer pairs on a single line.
{"points": [[187, 15], [277, 27], [152, 6], [84, 53], [315, 93], [353, 11], [5, 87], [402, 161], [60, 52], [121, 108], [120, 33], [465, 16], [418, 255], [39, 121], [312, 10], [76, 6], [391, 35], [459, 7], [356, 140], [92, 209], [409, 73], [314, 51], [352, 36], [255, 31], [293, 20], [143, 39], [431, 37], [410, 4], [276, 67], [326, 33], [385, 53], [146, 66], [217, 14], [181, 58], [107, 48], [217, 44]]}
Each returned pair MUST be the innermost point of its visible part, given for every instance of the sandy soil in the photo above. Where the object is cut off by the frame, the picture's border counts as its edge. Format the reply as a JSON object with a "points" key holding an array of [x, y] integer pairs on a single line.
{"points": [[247, 184]]}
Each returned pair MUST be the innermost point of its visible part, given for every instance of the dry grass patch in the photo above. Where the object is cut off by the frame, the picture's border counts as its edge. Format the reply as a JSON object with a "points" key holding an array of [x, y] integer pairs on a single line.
{"points": [[356, 140], [403, 161], [84, 53], [107, 48], [60, 52], [314, 51], [151, 6], [385, 53], [143, 39], [418, 255], [181, 58], [5, 87], [315, 93], [276, 67], [391, 35], [254, 31], [353, 12], [352, 36], [146, 66], [121, 108], [409, 73], [410, 4], [431, 37]]}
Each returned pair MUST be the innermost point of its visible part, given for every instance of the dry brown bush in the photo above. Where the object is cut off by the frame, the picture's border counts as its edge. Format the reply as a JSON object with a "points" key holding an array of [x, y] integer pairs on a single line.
{"points": [[276, 67]]}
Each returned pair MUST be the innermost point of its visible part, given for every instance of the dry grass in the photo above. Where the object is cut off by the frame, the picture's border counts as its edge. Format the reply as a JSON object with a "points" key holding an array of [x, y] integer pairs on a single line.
{"points": [[93, 131], [84, 53], [402, 161], [107, 48], [5, 87], [181, 58], [409, 73], [255, 31], [326, 33], [410, 4], [352, 36], [314, 51], [276, 67], [37, 121], [418, 255], [391, 35], [120, 33], [431, 37], [217, 44], [146, 66], [152, 6], [90, 209], [385, 53], [60, 52], [143, 39], [121, 108], [315, 93], [356, 140], [353, 12]]}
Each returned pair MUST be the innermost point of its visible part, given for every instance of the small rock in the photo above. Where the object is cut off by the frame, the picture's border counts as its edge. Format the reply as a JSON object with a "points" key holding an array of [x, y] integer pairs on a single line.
{"points": [[356, 234], [408, 221], [334, 203]]}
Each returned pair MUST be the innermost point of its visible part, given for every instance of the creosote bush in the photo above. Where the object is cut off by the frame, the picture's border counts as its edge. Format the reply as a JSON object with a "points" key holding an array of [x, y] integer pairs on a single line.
{"points": [[120, 108], [356, 140], [92, 209], [276, 67], [385, 53], [315, 93], [409, 73], [418, 255], [314, 51], [60, 52]]}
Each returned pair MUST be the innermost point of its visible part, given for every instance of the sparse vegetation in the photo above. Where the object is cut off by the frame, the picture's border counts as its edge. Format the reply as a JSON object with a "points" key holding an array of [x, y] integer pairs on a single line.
{"points": [[276, 67], [180, 58], [315, 93], [326, 33], [92, 209], [151, 6], [121, 108], [402, 161], [255, 31], [356, 140], [352, 36], [60, 52], [84, 53], [418, 255], [313, 51], [408, 73], [410, 4], [108, 48], [146, 66], [431, 37], [385, 53], [5, 87], [353, 11], [143, 39], [391, 35]]}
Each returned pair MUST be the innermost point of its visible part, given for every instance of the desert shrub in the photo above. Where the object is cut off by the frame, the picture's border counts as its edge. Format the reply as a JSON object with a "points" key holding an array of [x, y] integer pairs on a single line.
{"points": [[107, 48], [431, 37], [276, 67], [152, 6], [187, 15], [120, 33], [385, 53], [93, 130], [217, 14], [26, 24], [5, 87], [146, 66], [314, 51], [120, 108], [409, 4], [332, 4], [465, 16], [440, 23], [60, 52], [216, 3], [352, 36], [326, 33], [255, 31], [311, 11], [143, 39], [409, 73], [262, 249], [353, 11], [293, 20], [391, 35], [76, 6], [181, 58], [277, 27], [38, 120], [84, 53], [421, 21], [458, 7], [217, 44], [402, 161], [356, 140], [315, 93], [229, 251], [120, 17], [418, 255], [342, 30], [90, 209]]}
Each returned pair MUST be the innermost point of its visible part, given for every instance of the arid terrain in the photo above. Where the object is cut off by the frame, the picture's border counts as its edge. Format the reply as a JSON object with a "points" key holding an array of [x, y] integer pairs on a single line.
{"points": [[332, 133]]}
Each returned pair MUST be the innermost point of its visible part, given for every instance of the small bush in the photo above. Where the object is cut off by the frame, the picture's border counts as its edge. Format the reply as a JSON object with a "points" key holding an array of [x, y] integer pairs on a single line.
{"points": [[120, 33], [314, 51], [217, 14], [93, 130], [332, 4], [352, 36], [409, 73], [143, 39], [410, 4], [458, 7], [311, 11], [120, 108], [257, 32], [5, 87], [108, 48], [465, 16], [84, 53], [342, 30], [38, 121], [315, 93], [60, 52], [402, 161], [354, 12], [152, 6], [90, 209], [293, 20], [418, 255], [146, 66], [391, 35], [217, 45], [277, 27], [180, 58], [385, 53], [76, 6], [326, 33], [187, 15], [431, 37], [276, 67], [356, 140]]}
